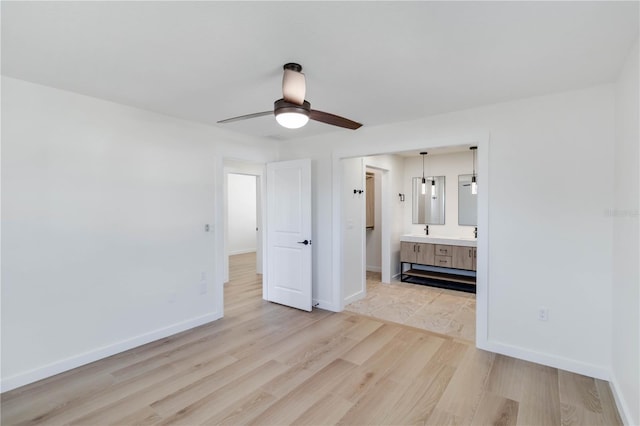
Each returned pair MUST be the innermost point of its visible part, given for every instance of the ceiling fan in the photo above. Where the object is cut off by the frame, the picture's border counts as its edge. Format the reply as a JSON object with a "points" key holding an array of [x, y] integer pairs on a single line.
{"points": [[292, 111]]}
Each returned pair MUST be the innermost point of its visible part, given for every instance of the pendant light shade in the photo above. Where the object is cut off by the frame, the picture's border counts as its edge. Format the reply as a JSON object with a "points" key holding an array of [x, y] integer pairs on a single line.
{"points": [[474, 184], [424, 181]]}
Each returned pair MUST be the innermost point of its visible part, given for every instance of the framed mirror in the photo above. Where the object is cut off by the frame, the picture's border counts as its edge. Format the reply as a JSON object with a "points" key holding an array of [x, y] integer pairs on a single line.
{"points": [[428, 207], [467, 202]]}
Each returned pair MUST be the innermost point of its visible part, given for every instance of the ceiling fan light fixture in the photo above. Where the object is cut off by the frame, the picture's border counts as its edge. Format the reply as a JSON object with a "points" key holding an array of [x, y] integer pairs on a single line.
{"points": [[292, 120], [290, 115]]}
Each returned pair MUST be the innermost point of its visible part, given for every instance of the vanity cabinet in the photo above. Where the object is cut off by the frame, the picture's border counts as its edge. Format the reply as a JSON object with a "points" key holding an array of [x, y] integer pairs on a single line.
{"points": [[453, 264], [464, 257], [421, 253]]}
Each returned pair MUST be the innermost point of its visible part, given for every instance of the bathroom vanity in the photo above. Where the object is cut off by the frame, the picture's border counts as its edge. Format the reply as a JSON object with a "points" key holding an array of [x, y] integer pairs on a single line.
{"points": [[439, 261]]}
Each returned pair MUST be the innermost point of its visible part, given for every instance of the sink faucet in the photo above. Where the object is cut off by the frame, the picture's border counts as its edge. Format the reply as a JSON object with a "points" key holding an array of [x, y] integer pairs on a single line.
{"points": [[426, 230]]}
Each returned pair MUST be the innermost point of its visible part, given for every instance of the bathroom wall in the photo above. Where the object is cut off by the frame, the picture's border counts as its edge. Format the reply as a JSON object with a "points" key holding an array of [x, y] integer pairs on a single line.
{"points": [[448, 165]]}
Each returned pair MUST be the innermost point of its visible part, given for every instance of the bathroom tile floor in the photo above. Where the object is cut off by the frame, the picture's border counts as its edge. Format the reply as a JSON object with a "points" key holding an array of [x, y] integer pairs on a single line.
{"points": [[443, 311]]}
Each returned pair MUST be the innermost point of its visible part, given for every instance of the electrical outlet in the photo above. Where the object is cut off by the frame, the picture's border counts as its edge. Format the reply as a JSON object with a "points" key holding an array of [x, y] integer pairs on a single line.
{"points": [[543, 314]]}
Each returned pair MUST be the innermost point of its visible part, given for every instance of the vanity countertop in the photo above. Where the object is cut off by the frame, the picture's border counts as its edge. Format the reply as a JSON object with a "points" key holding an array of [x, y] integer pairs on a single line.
{"points": [[453, 241]]}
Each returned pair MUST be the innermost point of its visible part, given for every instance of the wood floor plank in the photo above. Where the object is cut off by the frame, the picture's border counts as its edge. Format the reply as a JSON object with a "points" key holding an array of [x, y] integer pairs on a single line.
{"points": [[540, 400], [327, 411], [421, 395], [609, 413], [579, 391], [127, 397], [463, 394], [264, 363], [243, 410], [372, 343], [144, 416], [371, 407], [505, 378], [496, 410], [214, 402], [442, 418], [303, 397]]}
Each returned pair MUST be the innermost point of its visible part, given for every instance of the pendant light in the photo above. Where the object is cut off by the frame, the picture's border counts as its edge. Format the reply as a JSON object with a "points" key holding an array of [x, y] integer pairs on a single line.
{"points": [[474, 184], [424, 181]]}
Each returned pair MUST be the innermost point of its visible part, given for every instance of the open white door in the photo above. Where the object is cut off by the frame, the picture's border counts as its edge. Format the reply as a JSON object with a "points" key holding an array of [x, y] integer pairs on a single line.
{"points": [[288, 273]]}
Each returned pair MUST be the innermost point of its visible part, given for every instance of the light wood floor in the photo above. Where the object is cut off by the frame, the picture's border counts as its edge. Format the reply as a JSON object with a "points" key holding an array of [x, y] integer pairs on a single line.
{"points": [[271, 365], [435, 309]]}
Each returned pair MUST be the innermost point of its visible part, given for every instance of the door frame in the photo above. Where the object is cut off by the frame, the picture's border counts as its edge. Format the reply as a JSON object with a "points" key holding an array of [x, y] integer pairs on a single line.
{"points": [[479, 138]]}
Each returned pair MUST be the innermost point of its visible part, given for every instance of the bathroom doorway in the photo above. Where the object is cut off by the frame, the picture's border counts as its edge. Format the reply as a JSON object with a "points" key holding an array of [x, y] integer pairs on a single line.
{"points": [[435, 309]]}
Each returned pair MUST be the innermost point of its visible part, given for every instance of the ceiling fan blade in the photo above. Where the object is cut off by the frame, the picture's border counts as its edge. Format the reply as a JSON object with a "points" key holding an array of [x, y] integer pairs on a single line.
{"points": [[334, 120], [293, 86], [246, 117]]}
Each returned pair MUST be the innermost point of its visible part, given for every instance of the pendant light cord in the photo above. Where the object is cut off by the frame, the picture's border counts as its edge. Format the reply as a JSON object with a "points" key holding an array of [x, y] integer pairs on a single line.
{"points": [[474, 162]]}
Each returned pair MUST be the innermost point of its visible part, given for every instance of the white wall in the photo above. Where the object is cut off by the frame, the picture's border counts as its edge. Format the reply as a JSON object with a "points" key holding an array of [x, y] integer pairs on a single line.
{"points": [[242, 218], [374, 236], [549, 242], [353, 221], [626, 233], [447, 165], [103, 215]]}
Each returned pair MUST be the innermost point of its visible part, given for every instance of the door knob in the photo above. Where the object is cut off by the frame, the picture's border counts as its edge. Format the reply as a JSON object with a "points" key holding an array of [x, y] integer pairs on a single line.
{"points": [[305, 242]]}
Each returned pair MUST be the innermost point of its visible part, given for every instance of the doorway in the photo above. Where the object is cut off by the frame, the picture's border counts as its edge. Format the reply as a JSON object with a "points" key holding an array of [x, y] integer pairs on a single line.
{"points": [[472, 308], [243, 215]]}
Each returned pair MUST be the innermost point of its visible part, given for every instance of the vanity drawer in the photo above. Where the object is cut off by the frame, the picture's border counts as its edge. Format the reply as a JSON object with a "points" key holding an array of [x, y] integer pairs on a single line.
{"points": [[443, 250], [443, 261]]}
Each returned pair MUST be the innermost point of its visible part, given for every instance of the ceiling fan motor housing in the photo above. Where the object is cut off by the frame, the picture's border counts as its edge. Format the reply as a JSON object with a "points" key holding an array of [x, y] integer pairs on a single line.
{"points": [[281, 106], [293, 67]]}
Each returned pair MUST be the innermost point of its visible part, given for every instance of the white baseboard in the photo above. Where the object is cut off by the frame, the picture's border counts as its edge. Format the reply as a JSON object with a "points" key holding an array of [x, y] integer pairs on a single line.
{"points": [[591, 370], [354, 297], [623, 408], [243, 251], [323, 304], [21, 379], [374, 268]]}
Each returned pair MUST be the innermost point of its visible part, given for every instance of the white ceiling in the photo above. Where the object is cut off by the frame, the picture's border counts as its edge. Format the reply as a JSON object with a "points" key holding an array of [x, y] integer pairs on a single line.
{"points": [[373, 62]]}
